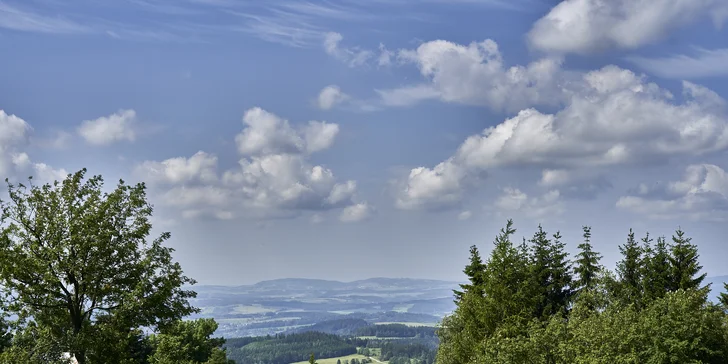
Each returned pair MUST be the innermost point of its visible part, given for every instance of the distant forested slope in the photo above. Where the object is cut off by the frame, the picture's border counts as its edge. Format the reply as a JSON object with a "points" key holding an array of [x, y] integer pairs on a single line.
{"points": [[285, 349]]}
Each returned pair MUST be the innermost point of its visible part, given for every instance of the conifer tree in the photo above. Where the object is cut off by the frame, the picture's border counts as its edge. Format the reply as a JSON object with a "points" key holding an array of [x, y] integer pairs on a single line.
{"points": [[630, 271], [312, 359], [506, 283], [724, 296], [474, 271], [684, 263], [587, 263], [657, 271], [551, 274]]}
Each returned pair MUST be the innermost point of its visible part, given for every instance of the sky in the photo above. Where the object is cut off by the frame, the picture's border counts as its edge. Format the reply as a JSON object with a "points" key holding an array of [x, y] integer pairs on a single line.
{"points": [[353, 139]]}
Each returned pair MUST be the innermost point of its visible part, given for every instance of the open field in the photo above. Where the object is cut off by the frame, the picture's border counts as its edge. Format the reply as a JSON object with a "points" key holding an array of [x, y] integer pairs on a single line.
{"points": [[342, 358]]}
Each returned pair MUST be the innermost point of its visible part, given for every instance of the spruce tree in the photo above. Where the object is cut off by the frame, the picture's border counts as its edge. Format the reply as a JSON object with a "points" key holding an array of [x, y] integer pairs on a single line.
{"points": [[684, 265], [550, 273], [506, 283], [724, 296], [657, 272], [587, 263], [474, 271], [630, 271]]}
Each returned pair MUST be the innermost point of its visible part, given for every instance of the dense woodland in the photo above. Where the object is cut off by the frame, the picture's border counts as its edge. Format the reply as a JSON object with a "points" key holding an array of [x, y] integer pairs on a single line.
{"points": [[285, 349], [532, 303], [396, 330], [288, 348]]}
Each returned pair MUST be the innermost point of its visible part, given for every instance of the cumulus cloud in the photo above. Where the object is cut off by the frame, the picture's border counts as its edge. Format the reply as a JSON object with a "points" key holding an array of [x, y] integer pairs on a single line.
{"points": [[267, 133], [358, 212], [14, 161], [586, 26], [618, 118], [476, 74], [513, 200], [200, 167], [109, 129], [702, 194], [274, 177], [331, 96]]}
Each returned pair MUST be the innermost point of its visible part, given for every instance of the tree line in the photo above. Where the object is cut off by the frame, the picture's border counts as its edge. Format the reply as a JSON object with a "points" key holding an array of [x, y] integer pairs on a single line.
{"points": [[80, 279], [532, 303]]}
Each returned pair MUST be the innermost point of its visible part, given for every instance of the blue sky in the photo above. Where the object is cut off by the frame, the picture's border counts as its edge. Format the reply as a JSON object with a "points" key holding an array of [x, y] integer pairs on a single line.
{"points": [[350, 139]]}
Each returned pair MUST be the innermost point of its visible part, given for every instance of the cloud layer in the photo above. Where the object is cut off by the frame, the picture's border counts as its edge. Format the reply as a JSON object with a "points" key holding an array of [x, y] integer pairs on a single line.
{"points": [[587, 26], [617, 119], [274, 176]]}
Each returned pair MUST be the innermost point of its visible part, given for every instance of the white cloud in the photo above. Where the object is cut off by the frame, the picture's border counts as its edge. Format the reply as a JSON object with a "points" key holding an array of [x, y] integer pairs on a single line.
{"points": [[465, 215], [330, 96], [358, 212], [585, 26], [476, 74], [351, 56], [514, 200], [109, 129], [702, 194], [201, 167], [14, 162], [267, 133], [616, 119], [274, 177], [436, 188], [705, 63]]}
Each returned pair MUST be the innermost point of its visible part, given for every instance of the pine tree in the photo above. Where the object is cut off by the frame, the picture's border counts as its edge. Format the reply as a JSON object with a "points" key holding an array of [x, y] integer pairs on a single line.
{"points": [[474, 271], [587, 263], [312, 359], [551, 274], [657, 276], [630, 270], [724, 296], [684, 263]]}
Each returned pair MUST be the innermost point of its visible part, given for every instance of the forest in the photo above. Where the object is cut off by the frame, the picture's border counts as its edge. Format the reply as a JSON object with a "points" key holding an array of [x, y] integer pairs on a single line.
{"points": [[531, 303]]}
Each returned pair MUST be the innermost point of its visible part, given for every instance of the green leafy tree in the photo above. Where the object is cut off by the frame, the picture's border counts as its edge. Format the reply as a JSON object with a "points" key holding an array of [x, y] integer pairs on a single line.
{"points": [[80, 271], [630, 271], [587, 263], [684, 264], [474, 271], [188, 342]]}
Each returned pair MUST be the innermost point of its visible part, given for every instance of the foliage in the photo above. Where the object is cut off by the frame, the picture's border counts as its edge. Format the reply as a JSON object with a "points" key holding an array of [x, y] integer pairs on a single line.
{"points": [[80, 276], [652, 311], [475, 272], [188, 342], [284, 349]]}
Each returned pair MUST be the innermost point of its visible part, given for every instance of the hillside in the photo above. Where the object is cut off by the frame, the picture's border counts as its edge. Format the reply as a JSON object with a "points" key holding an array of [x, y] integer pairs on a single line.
{"points": [[292, 305]]}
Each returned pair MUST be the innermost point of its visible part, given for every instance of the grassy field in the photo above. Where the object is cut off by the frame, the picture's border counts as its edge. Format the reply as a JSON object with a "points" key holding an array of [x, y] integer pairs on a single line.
{"points": [[342, 358]]}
